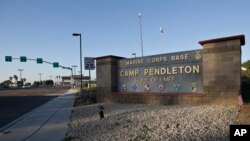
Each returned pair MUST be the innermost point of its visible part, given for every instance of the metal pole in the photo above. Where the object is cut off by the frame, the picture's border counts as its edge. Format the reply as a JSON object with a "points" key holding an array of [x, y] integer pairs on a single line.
{"points": [[141, 33], [89, 80], [79, 34], [20, 70], [162, 42], [81, 57], [20, 75], [74, 66], [72, 78], [74, 71]]}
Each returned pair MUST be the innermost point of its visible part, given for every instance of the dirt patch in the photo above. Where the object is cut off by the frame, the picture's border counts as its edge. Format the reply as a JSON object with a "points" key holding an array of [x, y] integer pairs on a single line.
{"points": [[244, 114], [34, 91]]}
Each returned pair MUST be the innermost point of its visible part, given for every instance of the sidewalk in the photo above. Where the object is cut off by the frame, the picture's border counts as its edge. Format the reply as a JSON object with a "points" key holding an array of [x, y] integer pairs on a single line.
{"points": [[46, 123]]}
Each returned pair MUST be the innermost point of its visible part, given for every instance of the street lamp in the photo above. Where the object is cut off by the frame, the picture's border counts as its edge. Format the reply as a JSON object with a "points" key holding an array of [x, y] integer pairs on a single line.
{"points": [[20, 73], [134, 54], [79, 34], [40, 76]]}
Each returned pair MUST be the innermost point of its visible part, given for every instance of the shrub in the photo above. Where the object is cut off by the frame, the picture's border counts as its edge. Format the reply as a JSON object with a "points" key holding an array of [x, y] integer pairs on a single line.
{"points": [[245, 89]]}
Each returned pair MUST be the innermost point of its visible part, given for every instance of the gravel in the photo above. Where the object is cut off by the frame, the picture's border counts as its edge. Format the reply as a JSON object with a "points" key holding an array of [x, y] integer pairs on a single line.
{"points": [[136, 122]]}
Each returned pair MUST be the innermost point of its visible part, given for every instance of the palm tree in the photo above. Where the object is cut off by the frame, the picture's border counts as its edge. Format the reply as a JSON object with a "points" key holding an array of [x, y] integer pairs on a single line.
{"points": [[15, 77]]}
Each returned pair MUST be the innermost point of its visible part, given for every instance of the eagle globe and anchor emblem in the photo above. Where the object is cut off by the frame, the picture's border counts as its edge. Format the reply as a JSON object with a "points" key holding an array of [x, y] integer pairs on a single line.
{"points": [[197, 55], [124, 87], [161, 87], [147, 87], [194, 87]]}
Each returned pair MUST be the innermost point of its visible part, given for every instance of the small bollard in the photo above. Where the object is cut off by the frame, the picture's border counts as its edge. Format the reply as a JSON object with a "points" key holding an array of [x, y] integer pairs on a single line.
{"points": [[101, 113]]}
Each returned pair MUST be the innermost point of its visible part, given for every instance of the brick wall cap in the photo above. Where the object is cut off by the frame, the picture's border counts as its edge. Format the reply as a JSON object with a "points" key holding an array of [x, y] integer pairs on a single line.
{"points": [[240, 37], [110, 56]]}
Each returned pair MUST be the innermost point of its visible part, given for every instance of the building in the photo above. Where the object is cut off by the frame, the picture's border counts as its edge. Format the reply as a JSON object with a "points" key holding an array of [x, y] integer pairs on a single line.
{"points": [[76, 80]]}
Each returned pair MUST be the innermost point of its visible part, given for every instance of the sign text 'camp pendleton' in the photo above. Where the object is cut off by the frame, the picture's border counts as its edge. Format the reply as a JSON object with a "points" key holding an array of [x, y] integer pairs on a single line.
{"points": [[179, 72]]}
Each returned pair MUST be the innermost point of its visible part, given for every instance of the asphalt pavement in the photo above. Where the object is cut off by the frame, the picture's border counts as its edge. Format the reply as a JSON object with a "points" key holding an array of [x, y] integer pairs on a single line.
{"points": [[48, 122], [12, 107]]}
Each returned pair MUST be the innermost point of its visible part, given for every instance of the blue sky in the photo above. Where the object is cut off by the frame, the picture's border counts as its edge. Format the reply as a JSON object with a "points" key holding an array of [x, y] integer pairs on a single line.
{"points": [[43, 29]]}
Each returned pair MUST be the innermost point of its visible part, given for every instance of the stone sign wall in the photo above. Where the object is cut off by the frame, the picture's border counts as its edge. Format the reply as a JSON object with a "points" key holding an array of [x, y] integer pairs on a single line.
{"points": [[210, 75], [164, 73]]}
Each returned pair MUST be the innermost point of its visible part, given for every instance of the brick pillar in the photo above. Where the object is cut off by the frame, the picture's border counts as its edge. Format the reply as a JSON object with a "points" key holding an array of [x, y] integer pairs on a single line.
{"points": [[106, 73], [222, 68]]}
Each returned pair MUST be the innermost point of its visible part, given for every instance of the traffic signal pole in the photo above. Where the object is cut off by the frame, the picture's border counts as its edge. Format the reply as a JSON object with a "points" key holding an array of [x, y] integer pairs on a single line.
{"points": [[24, 59]]}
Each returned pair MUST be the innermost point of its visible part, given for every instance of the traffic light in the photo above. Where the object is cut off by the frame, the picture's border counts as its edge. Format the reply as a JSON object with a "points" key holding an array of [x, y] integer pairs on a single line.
{"points": [[39, 60], [8, 59], [23, 59], [55, 64]]}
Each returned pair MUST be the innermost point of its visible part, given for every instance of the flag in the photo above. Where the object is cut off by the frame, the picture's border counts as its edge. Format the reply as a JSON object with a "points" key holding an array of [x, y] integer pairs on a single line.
{"points": [[240, 100]]}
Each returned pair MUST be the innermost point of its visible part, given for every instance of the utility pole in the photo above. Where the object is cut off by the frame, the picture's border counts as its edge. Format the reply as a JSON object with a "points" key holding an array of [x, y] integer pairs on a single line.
{"points": [[40, 76]]}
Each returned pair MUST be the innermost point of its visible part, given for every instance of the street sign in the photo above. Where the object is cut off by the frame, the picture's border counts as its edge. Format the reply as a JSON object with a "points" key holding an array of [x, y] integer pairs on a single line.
{"points": [[55, 64], [39, 60], [8, 59], [23, 58], [89, 63]]}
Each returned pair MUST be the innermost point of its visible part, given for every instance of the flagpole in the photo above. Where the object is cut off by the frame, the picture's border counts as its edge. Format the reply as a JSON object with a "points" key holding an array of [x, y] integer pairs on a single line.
{"points": [[141, 33], [162, 39]]}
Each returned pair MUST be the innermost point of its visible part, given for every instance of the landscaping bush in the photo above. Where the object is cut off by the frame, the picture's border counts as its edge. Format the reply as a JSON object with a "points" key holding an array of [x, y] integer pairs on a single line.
{"points": [[88, 96], [245, 89]]}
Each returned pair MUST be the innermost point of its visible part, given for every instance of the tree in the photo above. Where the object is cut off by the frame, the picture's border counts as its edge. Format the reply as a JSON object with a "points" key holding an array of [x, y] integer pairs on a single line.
{"points": [[49, 83], [246, 65], [24, 80], [36, 83], [15, 77]]}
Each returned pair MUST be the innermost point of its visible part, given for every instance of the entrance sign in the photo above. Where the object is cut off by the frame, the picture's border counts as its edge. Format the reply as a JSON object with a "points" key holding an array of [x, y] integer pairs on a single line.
{"points": [[210, 75], [179, 72], [89, 63]]}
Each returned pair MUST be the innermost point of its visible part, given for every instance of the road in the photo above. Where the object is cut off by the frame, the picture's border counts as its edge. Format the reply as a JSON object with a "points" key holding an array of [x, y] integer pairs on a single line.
{"points": [[15, 103], [12, 107]]}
